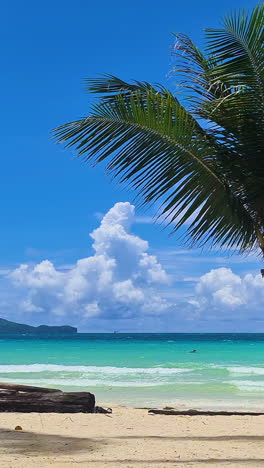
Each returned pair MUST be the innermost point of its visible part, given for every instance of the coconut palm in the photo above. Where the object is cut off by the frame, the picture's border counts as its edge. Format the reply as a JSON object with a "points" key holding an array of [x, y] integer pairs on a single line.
{"points": [[198, 152]]}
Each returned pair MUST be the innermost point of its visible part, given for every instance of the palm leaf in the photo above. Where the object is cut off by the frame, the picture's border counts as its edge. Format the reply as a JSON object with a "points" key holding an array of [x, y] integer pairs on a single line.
{"points": [[193, 68], [151, 142], [238, 50]]}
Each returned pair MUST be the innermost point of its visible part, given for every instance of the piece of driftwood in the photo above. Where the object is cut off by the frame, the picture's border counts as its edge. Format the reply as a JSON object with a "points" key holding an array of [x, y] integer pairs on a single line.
{"points": [[28, 399], [204, 413], [26, 388]]}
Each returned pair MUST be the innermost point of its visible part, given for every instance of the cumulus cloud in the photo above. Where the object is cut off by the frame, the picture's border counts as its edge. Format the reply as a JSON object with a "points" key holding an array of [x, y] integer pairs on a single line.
{"points": [[121, 277], [123, 286], [225, 291]]}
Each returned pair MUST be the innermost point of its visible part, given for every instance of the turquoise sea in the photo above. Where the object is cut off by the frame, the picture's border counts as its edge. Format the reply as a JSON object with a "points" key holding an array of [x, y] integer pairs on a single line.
{"points": [[143, 369]]}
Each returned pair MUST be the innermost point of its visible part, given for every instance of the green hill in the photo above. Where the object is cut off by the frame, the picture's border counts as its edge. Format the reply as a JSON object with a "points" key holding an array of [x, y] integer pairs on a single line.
{"points": [[13, 328]]}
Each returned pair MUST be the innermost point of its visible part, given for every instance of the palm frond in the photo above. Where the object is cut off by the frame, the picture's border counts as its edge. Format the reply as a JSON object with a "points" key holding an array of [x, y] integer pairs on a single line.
{"points": [[238, 50], [192, 67], [154, 144], [107, 86]]}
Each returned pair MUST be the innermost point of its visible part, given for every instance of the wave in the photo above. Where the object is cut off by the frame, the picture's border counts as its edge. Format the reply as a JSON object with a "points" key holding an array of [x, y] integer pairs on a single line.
{"points": [[71, 382], [28, 368], [248, 385], [113, 370], [82, 382], [209, 379], [241, 370]]}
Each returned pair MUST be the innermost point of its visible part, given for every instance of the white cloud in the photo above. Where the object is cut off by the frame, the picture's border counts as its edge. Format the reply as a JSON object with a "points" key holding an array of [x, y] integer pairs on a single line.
{"points": [[123, 284], [144, 220], [191, 279], [120, 279], [224, 291]]}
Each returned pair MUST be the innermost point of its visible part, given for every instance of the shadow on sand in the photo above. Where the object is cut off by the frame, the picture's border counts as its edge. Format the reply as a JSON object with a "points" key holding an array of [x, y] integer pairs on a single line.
{"points": [[35, 444]]}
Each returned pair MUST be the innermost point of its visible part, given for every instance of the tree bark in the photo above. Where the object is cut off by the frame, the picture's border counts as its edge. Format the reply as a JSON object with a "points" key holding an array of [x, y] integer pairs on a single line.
{"points": [[26, 388], [27, 399]]}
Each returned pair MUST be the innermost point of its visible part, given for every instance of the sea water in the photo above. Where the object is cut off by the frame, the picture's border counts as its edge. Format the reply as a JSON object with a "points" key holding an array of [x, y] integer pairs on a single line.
{"points": [[227, 370]]}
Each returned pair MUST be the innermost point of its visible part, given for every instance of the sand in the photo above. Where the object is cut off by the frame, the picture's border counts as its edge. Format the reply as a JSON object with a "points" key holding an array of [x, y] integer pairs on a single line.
{"points": [[130, 438]]}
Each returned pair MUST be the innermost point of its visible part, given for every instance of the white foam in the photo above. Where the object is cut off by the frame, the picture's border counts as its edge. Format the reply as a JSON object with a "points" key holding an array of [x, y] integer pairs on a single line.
{"points": [[246, 370], [82, 382], [248, 385], [22, 368]]}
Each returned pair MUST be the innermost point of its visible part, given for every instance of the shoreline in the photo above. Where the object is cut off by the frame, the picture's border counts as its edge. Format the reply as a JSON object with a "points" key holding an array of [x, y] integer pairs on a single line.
{"points": [[227, 372], [256, 405], [130, 438]]}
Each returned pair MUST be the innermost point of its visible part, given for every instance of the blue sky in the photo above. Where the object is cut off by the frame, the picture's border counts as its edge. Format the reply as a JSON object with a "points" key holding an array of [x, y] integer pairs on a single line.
{"points": [[50, 201]]}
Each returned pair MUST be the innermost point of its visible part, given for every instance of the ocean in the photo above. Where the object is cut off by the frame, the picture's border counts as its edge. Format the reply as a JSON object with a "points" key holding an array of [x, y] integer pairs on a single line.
{"points": [[143, 370]]}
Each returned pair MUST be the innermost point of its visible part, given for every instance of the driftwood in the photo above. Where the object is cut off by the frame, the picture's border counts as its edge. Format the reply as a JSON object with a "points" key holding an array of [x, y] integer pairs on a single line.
{"points": [[26, 388], [28, 399], [204, 413]]}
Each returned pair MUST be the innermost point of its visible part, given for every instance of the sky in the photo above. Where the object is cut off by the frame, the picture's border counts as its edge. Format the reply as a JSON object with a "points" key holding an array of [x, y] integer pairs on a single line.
{"points": [[74, 249]]}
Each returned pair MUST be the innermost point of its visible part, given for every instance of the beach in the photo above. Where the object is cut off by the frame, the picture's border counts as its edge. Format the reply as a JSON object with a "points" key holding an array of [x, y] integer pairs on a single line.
{"points": [[130, 438], [129, 372]]}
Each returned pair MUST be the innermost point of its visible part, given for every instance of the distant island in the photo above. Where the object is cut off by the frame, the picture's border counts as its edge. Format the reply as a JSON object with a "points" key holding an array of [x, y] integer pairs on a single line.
{"points": [[13, 328]]}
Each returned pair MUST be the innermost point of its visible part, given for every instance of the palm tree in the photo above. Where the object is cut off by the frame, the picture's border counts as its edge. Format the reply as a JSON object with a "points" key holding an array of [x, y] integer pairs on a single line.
{"points": [[198, 153]]}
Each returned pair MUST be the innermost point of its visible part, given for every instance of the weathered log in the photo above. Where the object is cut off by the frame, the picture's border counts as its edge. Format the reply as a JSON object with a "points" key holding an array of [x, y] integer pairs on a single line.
{"points": [[204, 413], [42, 402], [26, 388]]}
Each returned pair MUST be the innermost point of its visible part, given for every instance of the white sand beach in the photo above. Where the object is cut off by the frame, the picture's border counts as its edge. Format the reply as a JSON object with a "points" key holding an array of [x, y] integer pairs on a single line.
{"points": [[130, 438]]}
